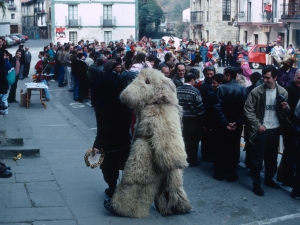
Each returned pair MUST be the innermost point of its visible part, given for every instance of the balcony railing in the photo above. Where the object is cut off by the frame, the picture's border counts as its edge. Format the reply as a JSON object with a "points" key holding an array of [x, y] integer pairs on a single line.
{"points": [[108, 22], [290, 11], [40, 11], [73, 22], [11, 7], [197, 17]]}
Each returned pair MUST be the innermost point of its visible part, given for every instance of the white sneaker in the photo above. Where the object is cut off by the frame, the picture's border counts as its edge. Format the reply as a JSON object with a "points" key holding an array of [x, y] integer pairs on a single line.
{"points": [[52, 80]]}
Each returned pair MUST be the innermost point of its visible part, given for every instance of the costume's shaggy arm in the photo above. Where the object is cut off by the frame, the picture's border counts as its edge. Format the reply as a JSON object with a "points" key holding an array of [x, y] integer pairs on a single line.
{"points": [[166, 139]]}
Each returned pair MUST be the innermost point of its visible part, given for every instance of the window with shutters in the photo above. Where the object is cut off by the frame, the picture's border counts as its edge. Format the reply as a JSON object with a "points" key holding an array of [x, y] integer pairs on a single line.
{"points": [[107, 36], [73, 37], [73, 15], [226, 8]]}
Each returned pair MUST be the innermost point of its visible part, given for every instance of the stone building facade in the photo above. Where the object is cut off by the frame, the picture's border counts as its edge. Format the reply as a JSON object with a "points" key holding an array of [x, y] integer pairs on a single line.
{"points": [[214, 20], [13, 15]]}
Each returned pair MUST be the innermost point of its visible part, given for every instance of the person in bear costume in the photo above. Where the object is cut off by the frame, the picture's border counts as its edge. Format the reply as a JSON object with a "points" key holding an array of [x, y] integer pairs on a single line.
{"points": [[154, 169]]}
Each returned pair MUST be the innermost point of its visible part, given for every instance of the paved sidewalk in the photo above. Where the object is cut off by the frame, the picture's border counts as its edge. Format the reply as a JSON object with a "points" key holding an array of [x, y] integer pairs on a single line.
{"points": [[57, 188]]}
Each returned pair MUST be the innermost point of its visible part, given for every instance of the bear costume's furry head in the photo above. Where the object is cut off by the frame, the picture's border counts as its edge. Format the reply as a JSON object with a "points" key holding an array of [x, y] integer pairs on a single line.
{"points": [[155, 88]]}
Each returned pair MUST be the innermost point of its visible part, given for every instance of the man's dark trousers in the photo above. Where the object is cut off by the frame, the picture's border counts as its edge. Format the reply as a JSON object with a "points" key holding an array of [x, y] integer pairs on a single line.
{"points": [[61, 73], [265, 149], [227, 153], [12, 92], [26, 69], [191, 137]]}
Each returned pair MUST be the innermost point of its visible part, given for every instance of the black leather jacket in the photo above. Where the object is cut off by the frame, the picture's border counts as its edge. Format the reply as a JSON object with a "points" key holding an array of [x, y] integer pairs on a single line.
{"points": [[294, 97], [205, 89], [250, 88], [231, 99]]}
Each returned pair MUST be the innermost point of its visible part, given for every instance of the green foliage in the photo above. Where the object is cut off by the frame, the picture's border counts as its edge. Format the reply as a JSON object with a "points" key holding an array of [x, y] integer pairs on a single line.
{"points": [[150, 17], [177, 12], [181, 27], [2, 7]]}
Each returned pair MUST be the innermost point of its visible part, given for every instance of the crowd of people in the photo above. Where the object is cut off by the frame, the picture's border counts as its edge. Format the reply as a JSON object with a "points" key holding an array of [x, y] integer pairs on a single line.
{"points": [[216, 109]]}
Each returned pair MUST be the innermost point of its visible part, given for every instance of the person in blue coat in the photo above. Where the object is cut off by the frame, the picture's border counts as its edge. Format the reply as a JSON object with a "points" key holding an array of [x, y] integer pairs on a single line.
{"points": [[203, 52]]}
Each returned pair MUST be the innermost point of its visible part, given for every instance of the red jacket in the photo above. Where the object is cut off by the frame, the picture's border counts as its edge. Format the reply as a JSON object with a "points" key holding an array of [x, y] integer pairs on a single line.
{"points": [[39, 69], [229, 50]]}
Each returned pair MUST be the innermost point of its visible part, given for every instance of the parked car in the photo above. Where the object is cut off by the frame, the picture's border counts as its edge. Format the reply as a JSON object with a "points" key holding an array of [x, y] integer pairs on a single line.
{"points": [[25, 37], [19, 36], [15, 38], [257, 56], [9, 41]]}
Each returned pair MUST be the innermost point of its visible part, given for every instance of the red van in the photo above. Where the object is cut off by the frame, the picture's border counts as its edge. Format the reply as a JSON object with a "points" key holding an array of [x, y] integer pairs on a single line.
{"points": [[257, 56]]}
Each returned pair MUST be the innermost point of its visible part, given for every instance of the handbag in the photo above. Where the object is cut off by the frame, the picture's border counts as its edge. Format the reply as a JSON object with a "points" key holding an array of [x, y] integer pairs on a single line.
{"points": [[11, 76]]}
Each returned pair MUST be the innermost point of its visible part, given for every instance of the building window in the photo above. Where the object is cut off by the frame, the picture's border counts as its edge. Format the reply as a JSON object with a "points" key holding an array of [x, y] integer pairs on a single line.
{"points": [[226, 8], [107, 12], [73, 15], [12, 16], [107, 16], [107, 36], [73, 37]]}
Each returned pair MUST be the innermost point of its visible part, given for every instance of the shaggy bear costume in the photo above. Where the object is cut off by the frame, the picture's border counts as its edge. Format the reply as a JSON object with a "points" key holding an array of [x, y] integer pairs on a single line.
{"points": [[153, 171]]}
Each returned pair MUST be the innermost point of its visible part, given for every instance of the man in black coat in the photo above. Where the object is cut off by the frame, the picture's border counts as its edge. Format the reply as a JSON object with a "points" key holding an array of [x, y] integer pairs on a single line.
{"points": [[113, 123], [291, 175], [222, 50], [206, 136], [231, 99], [178, 76], [235, 53], [79, 71]]}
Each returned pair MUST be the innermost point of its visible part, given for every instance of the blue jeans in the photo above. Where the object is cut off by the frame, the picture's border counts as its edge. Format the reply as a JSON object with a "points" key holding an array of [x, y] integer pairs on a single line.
{"points": [[21, 71], [47, 94], [3, 98], [61, 73], [76, 88]]}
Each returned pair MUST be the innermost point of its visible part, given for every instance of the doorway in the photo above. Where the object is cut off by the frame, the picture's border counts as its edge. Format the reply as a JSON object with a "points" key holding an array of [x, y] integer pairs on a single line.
{"points": [[256, 39], [245, 38]]}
